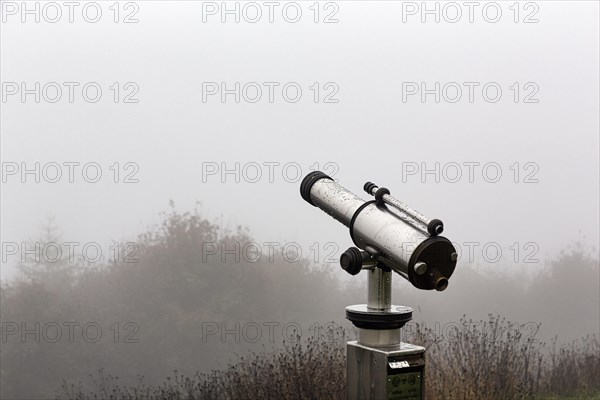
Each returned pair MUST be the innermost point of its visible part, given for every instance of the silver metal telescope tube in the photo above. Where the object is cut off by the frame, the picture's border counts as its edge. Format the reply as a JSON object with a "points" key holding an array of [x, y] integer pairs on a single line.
{"points": [[394, 238], [335, 200], [376, 226], [394, 235]]}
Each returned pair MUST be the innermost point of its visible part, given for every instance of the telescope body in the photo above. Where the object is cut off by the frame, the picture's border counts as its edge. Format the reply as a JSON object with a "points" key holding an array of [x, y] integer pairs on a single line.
{"points": [[391, 232]]}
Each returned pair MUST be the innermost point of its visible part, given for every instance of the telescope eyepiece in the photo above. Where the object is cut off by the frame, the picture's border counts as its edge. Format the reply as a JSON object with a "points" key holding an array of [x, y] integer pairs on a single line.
{"points": [[441, 284]]}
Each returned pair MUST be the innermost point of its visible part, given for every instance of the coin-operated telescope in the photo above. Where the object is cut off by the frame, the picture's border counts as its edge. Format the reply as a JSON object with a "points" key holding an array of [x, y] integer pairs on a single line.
{"points": [[389, 236]]}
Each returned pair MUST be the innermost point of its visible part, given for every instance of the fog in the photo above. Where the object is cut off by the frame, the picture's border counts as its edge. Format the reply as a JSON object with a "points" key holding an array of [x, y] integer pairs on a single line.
{"points": [[487, 119]]}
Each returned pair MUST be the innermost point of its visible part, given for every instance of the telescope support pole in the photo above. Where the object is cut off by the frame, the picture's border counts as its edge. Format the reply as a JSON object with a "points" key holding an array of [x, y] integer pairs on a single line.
{"points": [[380, 289], [379, 365]]}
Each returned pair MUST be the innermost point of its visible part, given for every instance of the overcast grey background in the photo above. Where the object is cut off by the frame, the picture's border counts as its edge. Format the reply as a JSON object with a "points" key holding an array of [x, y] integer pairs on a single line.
{"points": [[368, 134]]}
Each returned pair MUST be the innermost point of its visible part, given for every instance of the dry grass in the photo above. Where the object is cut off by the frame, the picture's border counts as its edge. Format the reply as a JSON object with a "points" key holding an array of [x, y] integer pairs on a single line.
{"points": [[488, 360]]}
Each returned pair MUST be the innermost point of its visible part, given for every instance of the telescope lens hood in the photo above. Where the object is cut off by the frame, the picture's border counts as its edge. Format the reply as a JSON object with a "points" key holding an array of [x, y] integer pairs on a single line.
{"points": [[308, 182]]}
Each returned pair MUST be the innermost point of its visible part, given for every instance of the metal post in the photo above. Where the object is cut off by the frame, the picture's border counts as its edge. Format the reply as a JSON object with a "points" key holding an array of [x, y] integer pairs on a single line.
{"points": [[379, 365], [380, 289]]}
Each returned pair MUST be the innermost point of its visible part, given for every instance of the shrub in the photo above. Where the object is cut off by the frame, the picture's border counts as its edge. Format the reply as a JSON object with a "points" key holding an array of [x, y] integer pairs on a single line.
{"points": [[487, 360]]}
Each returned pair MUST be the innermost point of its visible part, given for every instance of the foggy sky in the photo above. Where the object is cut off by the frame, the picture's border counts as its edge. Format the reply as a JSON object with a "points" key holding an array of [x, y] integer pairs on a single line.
{"points": [[367, 135]]}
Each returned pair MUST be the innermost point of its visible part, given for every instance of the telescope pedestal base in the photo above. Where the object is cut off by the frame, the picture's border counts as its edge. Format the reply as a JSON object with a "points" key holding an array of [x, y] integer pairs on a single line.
{"points": [[382, 373], [379, 365], [393, 317]]}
